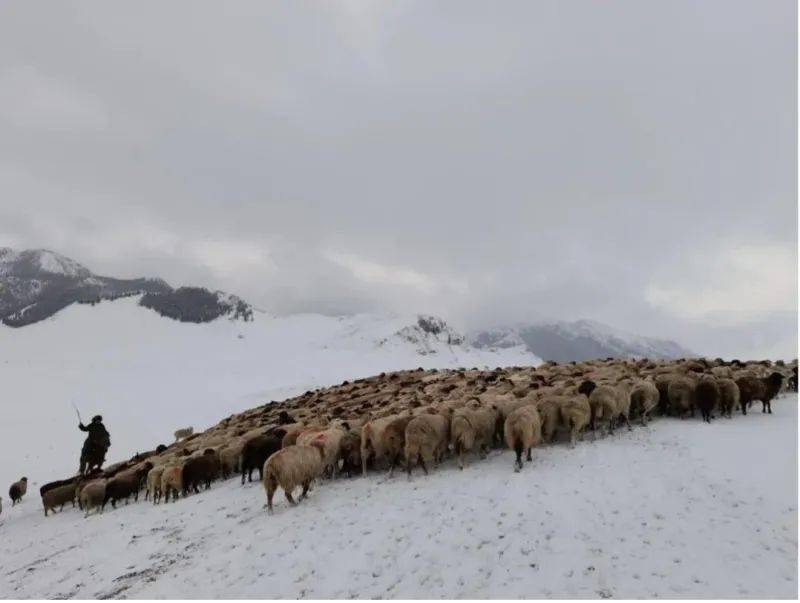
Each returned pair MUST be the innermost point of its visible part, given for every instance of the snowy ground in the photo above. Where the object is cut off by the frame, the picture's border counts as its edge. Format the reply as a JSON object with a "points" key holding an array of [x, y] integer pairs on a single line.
{"points": [[149, 376], [678, 509]]}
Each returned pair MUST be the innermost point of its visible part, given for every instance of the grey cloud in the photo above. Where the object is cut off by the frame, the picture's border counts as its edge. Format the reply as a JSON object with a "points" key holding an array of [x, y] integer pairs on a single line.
{"points": [[530, 159]]}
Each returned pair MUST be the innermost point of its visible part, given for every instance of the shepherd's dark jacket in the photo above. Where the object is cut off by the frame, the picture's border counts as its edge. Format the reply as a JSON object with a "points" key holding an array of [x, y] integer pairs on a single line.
{"points": [[97, 433]]}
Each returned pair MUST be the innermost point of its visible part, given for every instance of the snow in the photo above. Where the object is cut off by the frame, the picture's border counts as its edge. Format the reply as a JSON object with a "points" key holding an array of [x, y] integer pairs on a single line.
{"points": [[148, 375], [677, 509]]}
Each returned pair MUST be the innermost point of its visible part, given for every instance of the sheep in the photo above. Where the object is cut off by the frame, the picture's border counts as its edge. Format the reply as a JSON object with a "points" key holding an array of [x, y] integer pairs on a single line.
{"points": [[351, 452], [729, 396], [394, 440], [644, 399], [427, 437], [18, 490], [331, 441], [122, 486], [680, 393], [523, 430], [472, 427], [92, 496], [707, 396], [549, 417], [575, 414], [603, 402], [372, 440], [200, 469], [58, 497], [181, 434], [290, 467], [172, 481], [764, 389], [230, 457], [257, 450], [153, 487]]}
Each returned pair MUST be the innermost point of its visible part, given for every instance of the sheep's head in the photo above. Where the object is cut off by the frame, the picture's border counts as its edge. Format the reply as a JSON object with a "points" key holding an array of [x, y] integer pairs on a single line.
{"points": [[587, 387], [775, 379]]}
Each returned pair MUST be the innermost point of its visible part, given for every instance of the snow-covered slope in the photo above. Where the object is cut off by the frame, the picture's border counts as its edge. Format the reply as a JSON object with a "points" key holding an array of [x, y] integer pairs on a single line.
{"points": [[679, 509], [148, 375], [579, 340]]}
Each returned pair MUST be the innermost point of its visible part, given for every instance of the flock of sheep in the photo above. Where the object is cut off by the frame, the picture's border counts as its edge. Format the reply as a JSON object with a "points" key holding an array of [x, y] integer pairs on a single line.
{"points": [[419, 417]]}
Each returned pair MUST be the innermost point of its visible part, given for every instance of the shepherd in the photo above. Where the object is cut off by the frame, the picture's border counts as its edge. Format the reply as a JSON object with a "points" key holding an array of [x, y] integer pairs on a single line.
{"points": [[93, 453]]}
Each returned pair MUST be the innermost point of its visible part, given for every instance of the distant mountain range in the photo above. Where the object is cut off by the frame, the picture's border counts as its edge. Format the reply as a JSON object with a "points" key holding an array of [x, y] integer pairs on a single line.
{"points": [[36, 284], [577, 341]]}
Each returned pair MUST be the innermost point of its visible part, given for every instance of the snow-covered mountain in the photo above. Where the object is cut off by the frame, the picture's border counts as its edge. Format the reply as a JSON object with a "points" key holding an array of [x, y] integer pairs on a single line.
{"points": [[37, 283], [148, 375], [579, 340]]}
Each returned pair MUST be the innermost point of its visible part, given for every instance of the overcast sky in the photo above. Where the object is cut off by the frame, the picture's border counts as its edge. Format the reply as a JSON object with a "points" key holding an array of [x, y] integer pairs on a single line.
{"points": [[492, 162]]}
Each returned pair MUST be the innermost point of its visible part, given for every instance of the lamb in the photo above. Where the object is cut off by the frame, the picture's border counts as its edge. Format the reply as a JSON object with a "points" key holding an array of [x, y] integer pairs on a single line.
{"points": [[644, 399], [427, 437], [58, 497], [200, 469], [92, 496], [257, 450], [707, 397], [172, 481], [153, 487], [764, 389], [523, 430], [18, 490], [680, 393], [351, 452], [296, 465], [184, 433], [472, 427], [575, 414], [729, 396]]}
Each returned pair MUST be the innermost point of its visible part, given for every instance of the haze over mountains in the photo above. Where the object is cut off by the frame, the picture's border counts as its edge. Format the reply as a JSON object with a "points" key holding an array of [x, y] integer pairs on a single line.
{"points": [[36, 284]]}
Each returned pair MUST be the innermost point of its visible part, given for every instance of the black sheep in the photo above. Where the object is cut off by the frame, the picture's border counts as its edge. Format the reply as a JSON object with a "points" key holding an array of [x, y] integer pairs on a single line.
{"points": [[257, 450], [707, 397]]}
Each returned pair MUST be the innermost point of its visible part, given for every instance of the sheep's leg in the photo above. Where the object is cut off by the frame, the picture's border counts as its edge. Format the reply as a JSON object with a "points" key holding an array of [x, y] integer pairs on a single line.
{"points": [[395, 458], [769, 407], [529, 459], [460, 451], [270, 494], [628, 423], [422, 464], [289, 497], [305, 490], [364, 453], [408, 466]]}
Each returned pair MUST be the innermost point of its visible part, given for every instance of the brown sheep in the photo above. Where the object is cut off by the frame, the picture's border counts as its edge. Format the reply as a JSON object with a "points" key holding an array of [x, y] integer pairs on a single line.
{"points": [[290, 467], [523, 430], [681, 395], [58, 497], [330, 440], [202, 469]]}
